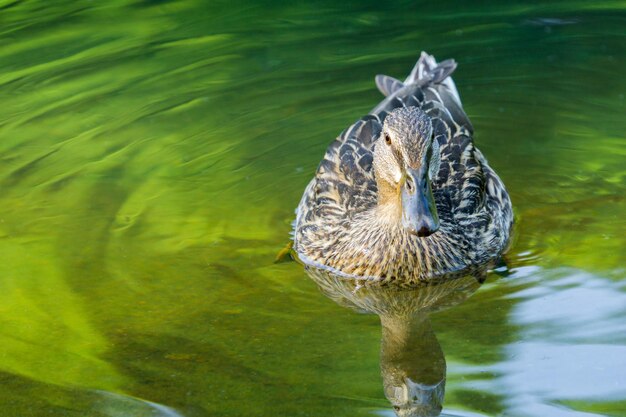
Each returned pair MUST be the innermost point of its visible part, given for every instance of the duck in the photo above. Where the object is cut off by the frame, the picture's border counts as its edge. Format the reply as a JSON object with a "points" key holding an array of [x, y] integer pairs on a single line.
{"points": [[403, 194]]}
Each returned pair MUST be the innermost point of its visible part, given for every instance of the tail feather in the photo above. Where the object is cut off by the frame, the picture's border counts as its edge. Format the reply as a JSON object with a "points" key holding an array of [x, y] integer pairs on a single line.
{"points": [[388, 85], [426, 71]]}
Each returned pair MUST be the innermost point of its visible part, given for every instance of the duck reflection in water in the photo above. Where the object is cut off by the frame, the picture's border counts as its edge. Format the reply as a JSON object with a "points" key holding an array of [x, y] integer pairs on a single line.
{"points": [[412, 363]]}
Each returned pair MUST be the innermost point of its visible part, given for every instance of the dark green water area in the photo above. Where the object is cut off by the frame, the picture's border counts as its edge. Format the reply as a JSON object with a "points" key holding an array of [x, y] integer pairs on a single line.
{"points": [[151, 157]]}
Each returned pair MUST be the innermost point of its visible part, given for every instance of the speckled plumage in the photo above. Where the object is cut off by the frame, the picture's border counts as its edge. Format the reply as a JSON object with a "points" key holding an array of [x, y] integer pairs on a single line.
{"points": [[337, 224]]}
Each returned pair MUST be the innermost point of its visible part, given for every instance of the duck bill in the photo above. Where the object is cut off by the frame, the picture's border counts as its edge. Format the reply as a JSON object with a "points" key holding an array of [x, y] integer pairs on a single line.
{"points": [[419, 213]]}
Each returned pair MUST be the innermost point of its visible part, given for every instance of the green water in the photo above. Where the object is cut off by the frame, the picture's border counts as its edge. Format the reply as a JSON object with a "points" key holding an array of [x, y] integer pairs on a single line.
{"points": [[152, 154]]}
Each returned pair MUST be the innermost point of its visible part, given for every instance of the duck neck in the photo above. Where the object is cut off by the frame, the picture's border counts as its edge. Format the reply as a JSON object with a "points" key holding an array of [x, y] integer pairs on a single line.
{"points": [[389, 207]]}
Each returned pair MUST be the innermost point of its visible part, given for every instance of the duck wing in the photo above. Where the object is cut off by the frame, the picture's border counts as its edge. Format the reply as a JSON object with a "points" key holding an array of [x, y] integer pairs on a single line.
{"points": [[344, 182], [343, 186]]}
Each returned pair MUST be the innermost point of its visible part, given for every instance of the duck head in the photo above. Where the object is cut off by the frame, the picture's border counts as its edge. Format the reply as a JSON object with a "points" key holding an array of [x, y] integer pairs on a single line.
{"points": [[405, 159]]}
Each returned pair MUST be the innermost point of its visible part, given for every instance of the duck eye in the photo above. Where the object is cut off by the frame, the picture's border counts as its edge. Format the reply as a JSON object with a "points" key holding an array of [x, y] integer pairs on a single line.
{"points": [[387, 139]]}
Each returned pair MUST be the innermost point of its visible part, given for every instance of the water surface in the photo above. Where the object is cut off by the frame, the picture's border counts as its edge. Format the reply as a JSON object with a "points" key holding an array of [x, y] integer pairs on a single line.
{"points": [[151, 156]]}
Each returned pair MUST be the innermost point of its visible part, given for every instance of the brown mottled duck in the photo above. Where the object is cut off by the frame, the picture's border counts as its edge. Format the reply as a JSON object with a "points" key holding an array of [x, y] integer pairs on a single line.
{"points": [[403, 194]]}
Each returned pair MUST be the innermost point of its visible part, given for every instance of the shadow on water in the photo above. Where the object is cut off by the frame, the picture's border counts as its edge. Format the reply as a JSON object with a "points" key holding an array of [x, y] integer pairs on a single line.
{"points": [[412, 363]]}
